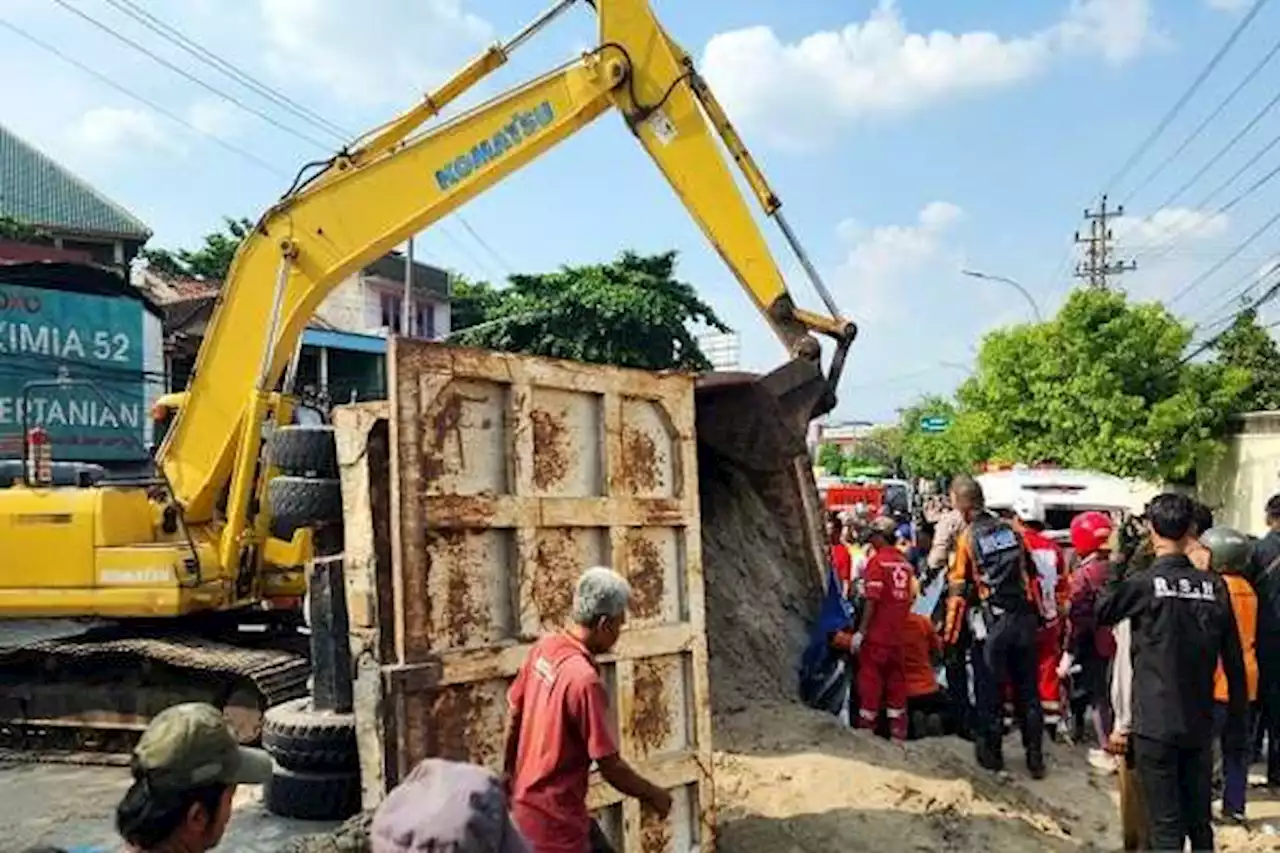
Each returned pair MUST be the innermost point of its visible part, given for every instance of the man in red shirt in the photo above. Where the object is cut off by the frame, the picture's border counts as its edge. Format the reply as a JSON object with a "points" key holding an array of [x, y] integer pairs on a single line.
{"points": [[558, 723], [878, 641]]}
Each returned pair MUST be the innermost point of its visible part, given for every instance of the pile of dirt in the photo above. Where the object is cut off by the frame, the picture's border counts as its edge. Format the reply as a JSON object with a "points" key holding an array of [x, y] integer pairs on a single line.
{"points": [[761, 594]]}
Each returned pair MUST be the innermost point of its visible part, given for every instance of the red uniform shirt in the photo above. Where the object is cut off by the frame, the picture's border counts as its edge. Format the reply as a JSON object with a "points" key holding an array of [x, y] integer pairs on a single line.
{"points": [[842, 562], [1051, 567], [888, 583], [564, 726], [919, 642]]}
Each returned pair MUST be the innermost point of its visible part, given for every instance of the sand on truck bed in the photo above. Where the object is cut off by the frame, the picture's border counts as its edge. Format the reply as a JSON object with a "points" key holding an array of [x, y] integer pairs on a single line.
{"points": [[792, 779]]}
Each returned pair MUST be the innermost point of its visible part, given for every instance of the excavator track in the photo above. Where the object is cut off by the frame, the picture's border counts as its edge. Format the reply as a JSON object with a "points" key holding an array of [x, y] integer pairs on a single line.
{"points": [[86, 699]]}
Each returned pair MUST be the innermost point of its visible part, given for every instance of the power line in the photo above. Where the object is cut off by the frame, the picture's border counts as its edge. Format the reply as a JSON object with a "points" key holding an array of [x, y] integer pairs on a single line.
{"points": [[1230, 256], [1176, 230], [1182, 101], [1200, 128], [1239, 197], [1270, 294], [1250, 279], [189, 76], [486, 246], [235, 149], [1222, 152], [175, 36]]}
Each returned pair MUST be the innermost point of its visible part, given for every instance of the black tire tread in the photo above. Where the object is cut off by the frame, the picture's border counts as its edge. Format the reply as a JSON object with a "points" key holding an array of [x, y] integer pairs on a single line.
{"points": [[305, 451], [312, 796], [297, 502], [299, 738]]}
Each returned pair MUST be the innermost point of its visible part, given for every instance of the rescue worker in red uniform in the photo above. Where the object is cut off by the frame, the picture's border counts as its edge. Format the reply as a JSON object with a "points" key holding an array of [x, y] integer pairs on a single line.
{"points": [[1051, 568], [878, 641]]}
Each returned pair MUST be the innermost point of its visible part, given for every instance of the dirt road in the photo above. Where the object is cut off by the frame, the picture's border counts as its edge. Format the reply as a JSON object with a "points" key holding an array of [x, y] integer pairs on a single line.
{"points": [[74, 806], [789, 779]]}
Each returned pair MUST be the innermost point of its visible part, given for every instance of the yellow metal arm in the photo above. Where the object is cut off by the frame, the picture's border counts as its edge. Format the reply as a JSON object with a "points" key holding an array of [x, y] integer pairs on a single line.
{"points": [[392, 186]]}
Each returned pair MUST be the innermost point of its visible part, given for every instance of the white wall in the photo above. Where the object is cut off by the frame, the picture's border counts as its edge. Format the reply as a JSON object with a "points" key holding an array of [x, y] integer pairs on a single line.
{"points": [[343, 308], [1238, 485]]}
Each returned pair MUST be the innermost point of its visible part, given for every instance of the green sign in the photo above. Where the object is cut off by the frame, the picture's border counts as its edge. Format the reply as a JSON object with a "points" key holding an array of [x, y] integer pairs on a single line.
{"points": [[111, 341], [936, 423]]}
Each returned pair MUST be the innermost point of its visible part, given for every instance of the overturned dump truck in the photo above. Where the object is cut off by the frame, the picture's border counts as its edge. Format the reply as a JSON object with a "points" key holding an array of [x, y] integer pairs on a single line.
{"points": [[474, 498]]}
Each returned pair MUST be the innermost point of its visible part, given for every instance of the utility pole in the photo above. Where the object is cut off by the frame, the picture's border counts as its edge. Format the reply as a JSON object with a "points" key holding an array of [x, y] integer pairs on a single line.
{"points": [[406, 299], [1097, 266]]}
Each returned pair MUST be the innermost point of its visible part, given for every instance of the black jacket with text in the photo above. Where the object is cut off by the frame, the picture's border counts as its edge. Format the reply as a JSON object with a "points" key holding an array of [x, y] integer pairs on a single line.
{"points": [[1182, 624]]}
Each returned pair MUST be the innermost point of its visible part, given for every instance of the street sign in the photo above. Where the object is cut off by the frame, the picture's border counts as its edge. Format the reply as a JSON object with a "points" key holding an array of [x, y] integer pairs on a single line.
{"points": [[936, 423]]}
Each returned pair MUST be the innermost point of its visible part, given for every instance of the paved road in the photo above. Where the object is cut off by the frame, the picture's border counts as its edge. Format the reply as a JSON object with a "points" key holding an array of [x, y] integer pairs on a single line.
{"points": [[71, 806]]}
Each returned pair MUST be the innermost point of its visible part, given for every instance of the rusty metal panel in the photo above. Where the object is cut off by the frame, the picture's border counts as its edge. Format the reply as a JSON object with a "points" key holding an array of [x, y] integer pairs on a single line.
{"points": [[506, 476]]}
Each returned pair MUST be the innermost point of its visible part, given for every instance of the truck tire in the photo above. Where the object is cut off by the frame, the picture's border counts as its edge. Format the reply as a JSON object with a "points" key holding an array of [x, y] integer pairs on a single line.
{"points": [[302, 502], [305, 451], [304, 795], [301, 738]]}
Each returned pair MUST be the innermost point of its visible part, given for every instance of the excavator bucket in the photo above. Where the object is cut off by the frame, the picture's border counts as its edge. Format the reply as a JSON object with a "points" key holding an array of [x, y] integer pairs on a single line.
{"points": [[760, 422]]}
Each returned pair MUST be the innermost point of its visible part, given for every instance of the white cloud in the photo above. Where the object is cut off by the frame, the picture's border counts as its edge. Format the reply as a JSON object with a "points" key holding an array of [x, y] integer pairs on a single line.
{"points": [[881, 259], [1228, 5], [797, 93], [390, 48], [1117, 29], [109, 131], [1169, 225], [216, 116]]}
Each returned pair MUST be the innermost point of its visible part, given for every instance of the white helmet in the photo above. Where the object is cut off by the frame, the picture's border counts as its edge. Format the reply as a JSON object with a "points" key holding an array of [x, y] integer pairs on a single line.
{"points": [[1029, 508]]}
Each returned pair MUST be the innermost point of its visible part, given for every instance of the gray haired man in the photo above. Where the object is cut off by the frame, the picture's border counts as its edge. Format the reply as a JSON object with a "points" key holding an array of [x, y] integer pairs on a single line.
{"points": [[558, 723]]}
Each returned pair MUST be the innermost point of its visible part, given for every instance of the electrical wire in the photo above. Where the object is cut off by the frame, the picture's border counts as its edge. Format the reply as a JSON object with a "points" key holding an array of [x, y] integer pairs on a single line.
{"points": [[1238, 287], [1185, 230], [101, 78], [1222, 152], [1230, 256], [484, 245], [1205, 122], [1182, 101], [1266, 297], [175, 36], [1257, 185], [177, 69]]}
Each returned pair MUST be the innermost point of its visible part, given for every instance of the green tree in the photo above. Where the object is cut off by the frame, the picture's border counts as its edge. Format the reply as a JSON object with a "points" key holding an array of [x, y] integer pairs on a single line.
{"points": [[632, 312], [939, 454], [1247, 345], [212, 260], [830, 459], [471, 302], [21, 232], [1103, 385]]}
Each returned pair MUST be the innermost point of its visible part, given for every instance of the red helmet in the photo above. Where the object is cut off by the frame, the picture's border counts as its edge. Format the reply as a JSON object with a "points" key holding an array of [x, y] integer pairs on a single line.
{"points": [[1090, 532]]}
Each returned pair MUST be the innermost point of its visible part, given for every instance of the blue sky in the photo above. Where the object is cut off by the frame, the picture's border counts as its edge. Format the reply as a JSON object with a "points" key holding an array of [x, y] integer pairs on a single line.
{"points": [[907, 140]]}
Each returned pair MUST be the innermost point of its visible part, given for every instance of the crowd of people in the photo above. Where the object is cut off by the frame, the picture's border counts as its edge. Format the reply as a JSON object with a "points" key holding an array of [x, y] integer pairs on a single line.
{"points": [[1155, 640]]}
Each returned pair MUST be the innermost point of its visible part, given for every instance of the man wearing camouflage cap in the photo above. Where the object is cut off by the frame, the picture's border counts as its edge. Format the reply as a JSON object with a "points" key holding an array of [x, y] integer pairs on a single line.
{"points": [[185, 769]]}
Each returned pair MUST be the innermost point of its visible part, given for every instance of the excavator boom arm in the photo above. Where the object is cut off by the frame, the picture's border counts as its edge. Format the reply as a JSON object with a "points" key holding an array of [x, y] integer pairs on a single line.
{"points": [[395, 185]]}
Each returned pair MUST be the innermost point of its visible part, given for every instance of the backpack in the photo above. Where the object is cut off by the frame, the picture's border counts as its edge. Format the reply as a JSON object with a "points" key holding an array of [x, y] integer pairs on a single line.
{"points": [[1000, 558], [1088, 582]]}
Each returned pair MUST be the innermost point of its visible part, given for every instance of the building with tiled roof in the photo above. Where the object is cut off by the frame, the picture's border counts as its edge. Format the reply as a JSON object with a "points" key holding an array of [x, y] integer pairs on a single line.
{"points": [[75, 221]]}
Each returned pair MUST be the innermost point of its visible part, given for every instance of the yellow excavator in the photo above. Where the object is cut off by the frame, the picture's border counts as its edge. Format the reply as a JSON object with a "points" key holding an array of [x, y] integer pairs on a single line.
{"points": [[243, 490]]}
